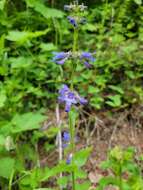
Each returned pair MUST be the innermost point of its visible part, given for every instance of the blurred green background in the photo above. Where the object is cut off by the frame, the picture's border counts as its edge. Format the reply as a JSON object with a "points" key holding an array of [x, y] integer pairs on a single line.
{"points": [[30, 31]]}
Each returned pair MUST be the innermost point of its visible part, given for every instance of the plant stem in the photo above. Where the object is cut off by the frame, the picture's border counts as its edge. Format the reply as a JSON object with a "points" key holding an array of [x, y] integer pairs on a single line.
{"points": [[71, 124], [120, 178], [75, 48], [10, 180], [72, 134], [75, 40]]}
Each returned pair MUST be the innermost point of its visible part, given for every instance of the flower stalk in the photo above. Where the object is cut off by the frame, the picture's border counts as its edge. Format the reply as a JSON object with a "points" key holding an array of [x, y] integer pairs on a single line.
{"points": [[67, 95]]}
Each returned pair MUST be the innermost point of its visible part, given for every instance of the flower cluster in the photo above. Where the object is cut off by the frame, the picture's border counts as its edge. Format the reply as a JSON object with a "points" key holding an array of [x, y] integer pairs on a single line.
{"points": [[77, 10], [75, 7], [85, 57], [61, 57], [75, 21], [70, 97]]}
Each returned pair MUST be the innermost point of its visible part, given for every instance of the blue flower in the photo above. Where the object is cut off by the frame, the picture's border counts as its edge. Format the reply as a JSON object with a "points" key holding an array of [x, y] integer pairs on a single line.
{"points": [[72, 20], [69, 98], [87, 57], [65, 139], [66, 136], [60, 57], [69, 159]]}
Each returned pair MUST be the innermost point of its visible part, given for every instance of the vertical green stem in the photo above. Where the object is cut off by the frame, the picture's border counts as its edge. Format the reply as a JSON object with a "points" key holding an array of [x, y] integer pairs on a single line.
{"points": [[72, 134], [120, 177], [71, 124], [10, 180], [75, 40], [75, 48]]}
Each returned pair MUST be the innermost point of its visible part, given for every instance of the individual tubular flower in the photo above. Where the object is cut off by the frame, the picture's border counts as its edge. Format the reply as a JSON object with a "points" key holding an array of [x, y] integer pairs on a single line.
{"points": [[69, 159], [65, 139], [73, 21], [74, 7], [61, 57], [87, 58], [69, 98], [66, 136]]}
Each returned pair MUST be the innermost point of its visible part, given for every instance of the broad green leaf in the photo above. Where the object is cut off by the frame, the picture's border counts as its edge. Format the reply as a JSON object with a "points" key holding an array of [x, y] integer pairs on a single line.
{"points": [[2, 4], [115, 101], [43, 10], [6, 166], [22, 36], [93, 90], [61, 167], [80, 174], [83, 186], [105, 181], [20, 62], [81, 156], [96, 101], [27, 121], [116, 39], [116, 88], [48, 47], [139, 2], [63, 181], [90, 27]]}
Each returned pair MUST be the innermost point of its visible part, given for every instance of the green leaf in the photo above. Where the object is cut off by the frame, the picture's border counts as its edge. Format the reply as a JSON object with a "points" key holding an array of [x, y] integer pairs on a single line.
{"points": [[105, 181], [83, 186], [139, 2], [2, 4], [2, 140], [115, 101], [21, 62], [6, 167], [22, 36], [81, 156], [116, 88], [2, 99], [80, 174], [48, 47], [61, 167], [27, 121], [43, 10], [63, 181]]}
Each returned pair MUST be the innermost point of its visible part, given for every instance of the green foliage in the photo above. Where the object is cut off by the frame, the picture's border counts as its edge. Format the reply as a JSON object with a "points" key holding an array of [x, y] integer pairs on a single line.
{"points": [[29, 32], [6, 167], [126, 173]]}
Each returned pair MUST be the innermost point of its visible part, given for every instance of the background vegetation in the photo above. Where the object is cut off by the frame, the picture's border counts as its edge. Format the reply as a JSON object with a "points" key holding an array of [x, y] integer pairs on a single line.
{"points": [[30, 30]]}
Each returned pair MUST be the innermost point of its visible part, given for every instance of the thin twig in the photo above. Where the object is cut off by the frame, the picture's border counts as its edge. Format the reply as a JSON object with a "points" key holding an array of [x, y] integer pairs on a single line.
{"points": [[59, 137], [121, 118]]}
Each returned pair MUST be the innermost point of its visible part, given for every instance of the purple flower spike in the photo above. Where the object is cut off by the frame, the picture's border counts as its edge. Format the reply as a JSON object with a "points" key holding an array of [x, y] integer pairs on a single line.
{"points": [[87, 57], [72, 21], [60, 57], [69, 98]]}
